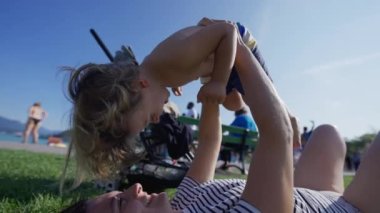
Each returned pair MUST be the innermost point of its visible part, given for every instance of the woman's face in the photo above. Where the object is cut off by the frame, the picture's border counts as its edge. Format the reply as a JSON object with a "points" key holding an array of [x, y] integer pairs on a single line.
{"points": [[134, 199]]}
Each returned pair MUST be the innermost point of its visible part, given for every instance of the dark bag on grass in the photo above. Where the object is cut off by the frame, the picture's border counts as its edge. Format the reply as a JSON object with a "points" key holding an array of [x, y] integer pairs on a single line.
{"points": [[175, 134]]}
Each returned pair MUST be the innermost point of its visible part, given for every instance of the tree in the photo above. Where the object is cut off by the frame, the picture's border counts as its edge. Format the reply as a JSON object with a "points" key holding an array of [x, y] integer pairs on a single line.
{"points": [[359, 143]]}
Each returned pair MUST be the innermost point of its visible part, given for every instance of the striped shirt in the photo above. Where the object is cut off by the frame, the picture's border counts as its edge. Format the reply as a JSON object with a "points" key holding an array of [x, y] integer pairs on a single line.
{"points": [[224, 196]]}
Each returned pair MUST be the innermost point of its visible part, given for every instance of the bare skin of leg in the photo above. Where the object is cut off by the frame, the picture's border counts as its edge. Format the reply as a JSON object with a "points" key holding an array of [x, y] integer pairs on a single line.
{"points": [[320, 166], [35, 133], [28, 129], [364, 190], [233, 101]]}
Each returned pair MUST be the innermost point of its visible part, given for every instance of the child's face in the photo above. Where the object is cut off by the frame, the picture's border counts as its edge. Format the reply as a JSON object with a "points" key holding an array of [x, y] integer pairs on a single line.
{"points": [[149, 109]]}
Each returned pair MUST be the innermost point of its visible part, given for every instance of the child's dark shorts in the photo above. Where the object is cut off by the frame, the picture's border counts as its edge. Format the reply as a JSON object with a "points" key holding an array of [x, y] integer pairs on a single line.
{"points": [[234, 80]]}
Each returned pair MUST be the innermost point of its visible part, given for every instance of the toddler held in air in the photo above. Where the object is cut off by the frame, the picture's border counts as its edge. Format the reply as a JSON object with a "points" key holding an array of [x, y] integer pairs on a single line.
{"points": [[113, 102]]}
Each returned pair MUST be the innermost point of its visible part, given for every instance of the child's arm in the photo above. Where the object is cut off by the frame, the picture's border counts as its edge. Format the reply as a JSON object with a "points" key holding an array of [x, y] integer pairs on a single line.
{"points": [[185, 54]]}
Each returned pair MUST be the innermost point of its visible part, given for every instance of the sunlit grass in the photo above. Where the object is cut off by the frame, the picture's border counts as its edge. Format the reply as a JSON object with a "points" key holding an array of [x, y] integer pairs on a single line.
{"points": [[29, 182]]}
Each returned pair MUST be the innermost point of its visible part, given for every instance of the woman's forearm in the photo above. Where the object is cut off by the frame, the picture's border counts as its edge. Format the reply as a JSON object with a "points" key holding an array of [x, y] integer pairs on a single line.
{"points": [[269, 111], [210, 134], [270, 180]]}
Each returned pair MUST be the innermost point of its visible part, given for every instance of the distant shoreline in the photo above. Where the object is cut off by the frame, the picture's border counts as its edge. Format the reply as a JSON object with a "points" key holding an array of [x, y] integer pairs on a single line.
{"points": [[40, 148]]}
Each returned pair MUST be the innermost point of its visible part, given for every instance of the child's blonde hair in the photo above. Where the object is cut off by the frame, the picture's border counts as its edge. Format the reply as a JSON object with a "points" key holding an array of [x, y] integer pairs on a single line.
{"points": [[102, 95]]}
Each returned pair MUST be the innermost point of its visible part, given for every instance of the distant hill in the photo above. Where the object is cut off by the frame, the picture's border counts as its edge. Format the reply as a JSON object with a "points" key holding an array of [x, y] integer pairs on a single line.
{"points": [[13, 126]]}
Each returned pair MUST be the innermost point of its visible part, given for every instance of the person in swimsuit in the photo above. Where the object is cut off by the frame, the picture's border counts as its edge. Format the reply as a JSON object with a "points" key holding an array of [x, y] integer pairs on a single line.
{"points": [[35, 115]]}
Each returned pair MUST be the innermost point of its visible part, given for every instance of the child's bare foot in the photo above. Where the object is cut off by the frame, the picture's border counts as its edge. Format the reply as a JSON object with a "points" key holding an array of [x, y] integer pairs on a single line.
{"points": [[233, 101]]}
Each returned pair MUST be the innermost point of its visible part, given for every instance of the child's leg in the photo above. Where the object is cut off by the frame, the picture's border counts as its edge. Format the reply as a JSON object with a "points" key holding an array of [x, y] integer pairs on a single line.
{"points": [[256, 52], [234, 88], [364, 191], [28, 129], [234, 79], [35, 132], [320, 166], [233, 101]]}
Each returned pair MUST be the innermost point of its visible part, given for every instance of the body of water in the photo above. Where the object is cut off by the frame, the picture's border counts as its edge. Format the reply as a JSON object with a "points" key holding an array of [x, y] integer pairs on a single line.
{"points": [[18, 139]]}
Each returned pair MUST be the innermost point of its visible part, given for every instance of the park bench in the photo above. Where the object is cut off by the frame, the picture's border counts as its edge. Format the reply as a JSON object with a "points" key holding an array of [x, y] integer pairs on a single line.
{"points": [[157, 174], [243, 144]]}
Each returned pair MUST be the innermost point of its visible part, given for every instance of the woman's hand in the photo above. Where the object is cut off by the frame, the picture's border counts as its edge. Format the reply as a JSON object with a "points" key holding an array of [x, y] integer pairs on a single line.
{"points": [[212, 92]]}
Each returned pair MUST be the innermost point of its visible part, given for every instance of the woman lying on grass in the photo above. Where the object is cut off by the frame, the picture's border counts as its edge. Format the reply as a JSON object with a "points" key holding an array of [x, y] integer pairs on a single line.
{"points": [[317, 185]]}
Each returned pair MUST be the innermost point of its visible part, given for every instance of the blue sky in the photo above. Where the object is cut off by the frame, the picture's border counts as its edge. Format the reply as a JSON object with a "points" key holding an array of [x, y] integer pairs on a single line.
{"points": [[324, 56]]}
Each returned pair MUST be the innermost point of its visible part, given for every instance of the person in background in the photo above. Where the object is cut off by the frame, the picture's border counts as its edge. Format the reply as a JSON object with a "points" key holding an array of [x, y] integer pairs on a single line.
{"points": [[191, 111], [356, 160], [297, 147], [306, 134], [172, 108], [170, 114], [243, 120], [35, 116]]}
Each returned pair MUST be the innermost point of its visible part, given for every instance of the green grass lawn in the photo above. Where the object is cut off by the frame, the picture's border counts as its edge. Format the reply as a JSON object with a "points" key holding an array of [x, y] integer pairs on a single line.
{"points": [[29, 182]]}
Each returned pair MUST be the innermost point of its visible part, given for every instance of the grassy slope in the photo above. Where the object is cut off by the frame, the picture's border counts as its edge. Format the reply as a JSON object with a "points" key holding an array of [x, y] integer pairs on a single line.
{"points": [[29, 182]]}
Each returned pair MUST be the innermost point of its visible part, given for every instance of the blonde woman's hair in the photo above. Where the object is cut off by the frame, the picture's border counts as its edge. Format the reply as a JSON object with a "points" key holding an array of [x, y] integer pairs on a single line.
{"points": [[102, 95]]}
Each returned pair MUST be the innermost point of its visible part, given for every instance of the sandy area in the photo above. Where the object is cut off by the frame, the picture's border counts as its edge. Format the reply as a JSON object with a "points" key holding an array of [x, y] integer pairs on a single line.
{"points": [[32, 147]]}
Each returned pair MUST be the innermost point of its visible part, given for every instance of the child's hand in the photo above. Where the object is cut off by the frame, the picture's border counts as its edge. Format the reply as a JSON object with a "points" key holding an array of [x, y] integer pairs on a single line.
{"points": [[213, 92], [177, 91]]}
